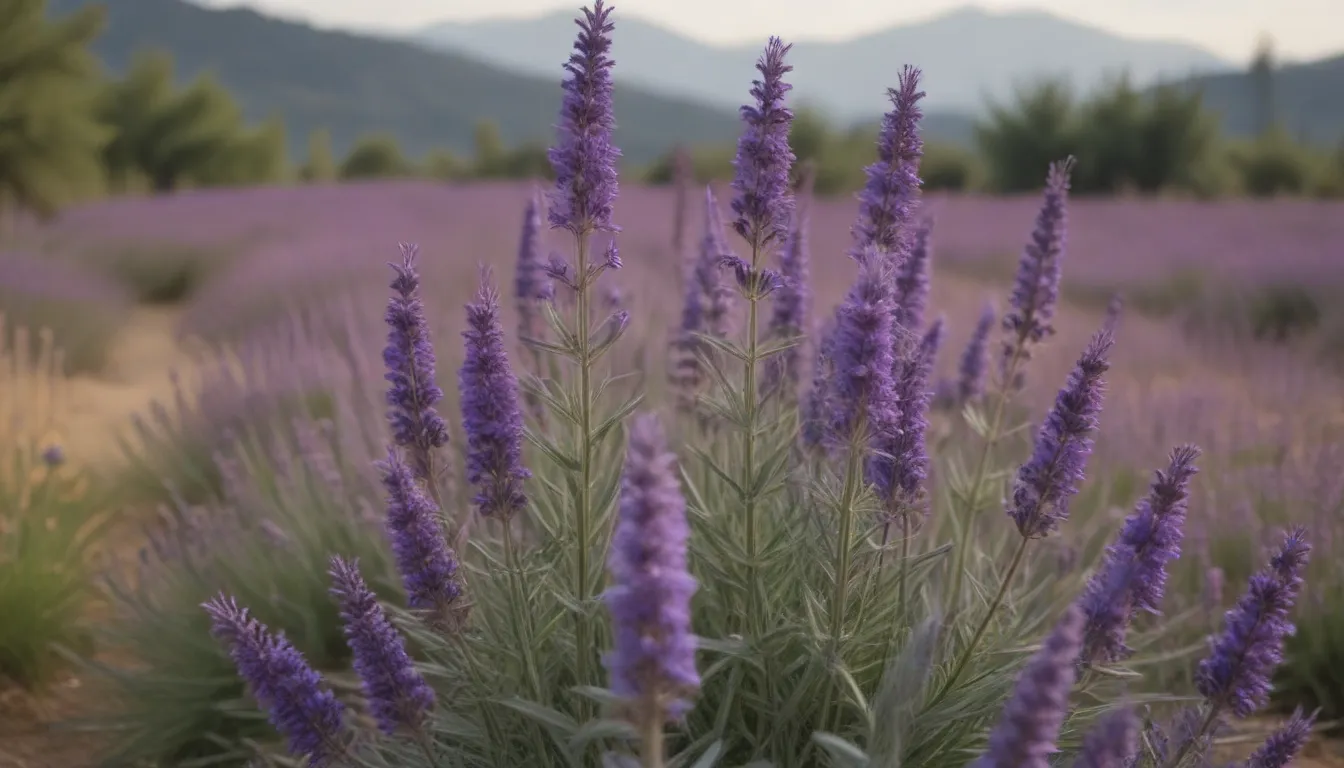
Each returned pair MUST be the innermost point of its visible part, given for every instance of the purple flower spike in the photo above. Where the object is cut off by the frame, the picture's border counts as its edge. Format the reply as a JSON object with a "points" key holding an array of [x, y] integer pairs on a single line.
{"points": [[1047, 482], [889, 197], [975, 359], [530, 281], [901, 466], [764, 201], [1026, 733], [427, 564], [1036, 288], [1133, 576], [814, 411], [490, 413], [1284, 744], [653, 652], [409, 359], [707, 306], [1112, 742], [862, 390], [1236, 674], [397, 694], [912, 281], [584, 157], [300, 708]]}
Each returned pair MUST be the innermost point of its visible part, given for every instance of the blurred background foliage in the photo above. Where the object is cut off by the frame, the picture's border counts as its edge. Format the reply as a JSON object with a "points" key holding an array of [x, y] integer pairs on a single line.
{"points": [[71, 133]]}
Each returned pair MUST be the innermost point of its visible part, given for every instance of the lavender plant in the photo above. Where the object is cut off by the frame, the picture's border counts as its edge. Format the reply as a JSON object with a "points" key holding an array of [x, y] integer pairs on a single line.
{"points": [[760, 613]]}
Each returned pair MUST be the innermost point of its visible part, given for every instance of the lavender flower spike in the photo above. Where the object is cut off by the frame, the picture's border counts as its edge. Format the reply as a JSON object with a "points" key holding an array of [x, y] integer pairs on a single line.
{"points": [[1036, 288], [397, 694], [1112, 742], [889, 197], [1026, 733], [584, 157], [912, 281], [975, 359], [1133, 576], [1048, 480], [862, 392], [900, 467], [409, 359], [300, 708], [530, 280], [490, 413], [1284, 744], [427, 564], [764, 201], [792, 307], [1236, 674], [652, 662]]}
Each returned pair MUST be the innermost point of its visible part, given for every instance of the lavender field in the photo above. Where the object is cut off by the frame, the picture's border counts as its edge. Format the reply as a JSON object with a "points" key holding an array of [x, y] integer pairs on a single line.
{"points": [[466, 476]]}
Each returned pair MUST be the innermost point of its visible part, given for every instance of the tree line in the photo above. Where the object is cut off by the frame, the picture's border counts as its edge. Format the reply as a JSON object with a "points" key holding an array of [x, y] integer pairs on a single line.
{"points": [[68, 133], [1127, 142]]}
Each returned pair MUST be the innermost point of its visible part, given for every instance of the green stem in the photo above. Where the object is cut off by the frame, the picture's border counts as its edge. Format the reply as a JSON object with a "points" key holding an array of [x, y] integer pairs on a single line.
{"points": [[652, 752], [518, 598], [754, 597], [583, 502], [1190, 742], [966, 654], [844, 550], [978, 477]]}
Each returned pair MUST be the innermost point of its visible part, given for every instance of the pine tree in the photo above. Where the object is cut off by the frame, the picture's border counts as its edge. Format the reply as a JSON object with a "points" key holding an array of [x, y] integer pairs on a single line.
{"points": [[50, 137]]}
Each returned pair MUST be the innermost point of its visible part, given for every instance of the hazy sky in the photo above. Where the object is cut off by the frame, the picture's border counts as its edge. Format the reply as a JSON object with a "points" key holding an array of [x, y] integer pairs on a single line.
{"points": [[1301, 29]]}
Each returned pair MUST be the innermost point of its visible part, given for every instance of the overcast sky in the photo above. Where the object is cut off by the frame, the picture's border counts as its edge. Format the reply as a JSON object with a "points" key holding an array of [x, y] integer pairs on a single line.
{"points": [[1301, 29]]}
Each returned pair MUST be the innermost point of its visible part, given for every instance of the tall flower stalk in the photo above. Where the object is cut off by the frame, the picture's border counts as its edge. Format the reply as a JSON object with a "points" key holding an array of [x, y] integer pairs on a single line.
{"points": [[652, 661], [1049, 480], [1026, 323], [763, 204], [584, 160]]}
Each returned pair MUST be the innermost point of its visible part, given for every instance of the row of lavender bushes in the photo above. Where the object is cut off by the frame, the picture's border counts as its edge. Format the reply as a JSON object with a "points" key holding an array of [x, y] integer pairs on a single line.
{"points": [[791, 574]]}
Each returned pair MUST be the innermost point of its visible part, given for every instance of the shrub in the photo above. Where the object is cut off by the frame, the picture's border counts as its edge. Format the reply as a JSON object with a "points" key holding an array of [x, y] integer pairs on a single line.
{"points": [[1280, 312], [49, 523], [272, 377], [292, 495], [83, 311], [157, 274]]}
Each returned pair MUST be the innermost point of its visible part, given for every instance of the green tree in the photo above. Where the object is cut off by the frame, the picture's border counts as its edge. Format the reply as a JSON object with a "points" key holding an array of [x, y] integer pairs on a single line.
{"points": [[809, 134], [1110, 138], [170, 138], [1177, 140], [256, 156], [1018, 143], [489, 151], [50, 137], [1262, 84], [374, 157], [445, 166], [320, 165]]}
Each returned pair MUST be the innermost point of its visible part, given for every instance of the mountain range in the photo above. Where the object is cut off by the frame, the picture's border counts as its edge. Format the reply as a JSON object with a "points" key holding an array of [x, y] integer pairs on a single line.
{"points": [[354, 85], [966, 55]]}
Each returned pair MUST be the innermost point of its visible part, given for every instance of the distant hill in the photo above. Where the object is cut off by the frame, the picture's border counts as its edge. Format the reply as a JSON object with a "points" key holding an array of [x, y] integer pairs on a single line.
{"points": [[352, 84], [966, 55], [1308, 100]]}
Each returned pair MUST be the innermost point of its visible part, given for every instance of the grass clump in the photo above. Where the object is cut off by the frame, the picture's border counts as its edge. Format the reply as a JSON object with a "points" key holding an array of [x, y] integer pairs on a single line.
{"points": [[49, 521]]}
